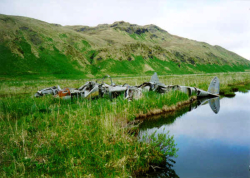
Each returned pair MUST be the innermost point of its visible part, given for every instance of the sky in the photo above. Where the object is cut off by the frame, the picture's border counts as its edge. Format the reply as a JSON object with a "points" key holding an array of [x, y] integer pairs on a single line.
{"points": [[218, 22]]}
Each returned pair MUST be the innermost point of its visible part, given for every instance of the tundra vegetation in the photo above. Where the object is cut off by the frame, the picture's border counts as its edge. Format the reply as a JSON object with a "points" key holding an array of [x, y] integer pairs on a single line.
{"points": [[33, 49], [94, 138]]}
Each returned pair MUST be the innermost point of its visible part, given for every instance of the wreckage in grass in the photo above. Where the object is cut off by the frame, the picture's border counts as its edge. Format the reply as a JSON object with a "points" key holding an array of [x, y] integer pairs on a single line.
{"points": [[95, 89], [213, 89]]}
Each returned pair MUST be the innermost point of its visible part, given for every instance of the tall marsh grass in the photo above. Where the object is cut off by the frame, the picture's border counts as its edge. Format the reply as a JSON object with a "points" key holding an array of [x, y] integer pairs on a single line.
{"points": [[48, 136], [89, 138]]}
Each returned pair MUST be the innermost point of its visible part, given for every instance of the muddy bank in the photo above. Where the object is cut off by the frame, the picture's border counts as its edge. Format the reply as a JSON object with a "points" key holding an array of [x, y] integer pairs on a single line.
{"points": [[166, 109]]}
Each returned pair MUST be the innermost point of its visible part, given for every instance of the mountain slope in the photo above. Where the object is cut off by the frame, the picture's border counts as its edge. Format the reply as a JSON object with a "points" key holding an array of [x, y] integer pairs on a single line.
{"points": [[30, 47]]}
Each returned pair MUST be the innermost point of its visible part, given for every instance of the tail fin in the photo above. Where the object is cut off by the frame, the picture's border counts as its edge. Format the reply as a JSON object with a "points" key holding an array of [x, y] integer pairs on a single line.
{"points": [[154, 78], [214, 87]]}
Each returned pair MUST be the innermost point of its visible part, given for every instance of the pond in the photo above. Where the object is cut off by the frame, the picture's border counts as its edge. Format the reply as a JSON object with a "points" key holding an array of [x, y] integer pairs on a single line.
{"points": [[210, 144]]}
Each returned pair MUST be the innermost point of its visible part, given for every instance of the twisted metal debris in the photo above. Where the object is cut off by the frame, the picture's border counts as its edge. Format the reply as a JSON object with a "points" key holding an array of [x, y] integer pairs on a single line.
{"points": [[93, 89]]}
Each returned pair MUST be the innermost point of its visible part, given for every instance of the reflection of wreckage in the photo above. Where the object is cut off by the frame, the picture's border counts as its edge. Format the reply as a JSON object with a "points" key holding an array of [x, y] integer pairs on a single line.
{"points": [[94, 89], [213, 102]]}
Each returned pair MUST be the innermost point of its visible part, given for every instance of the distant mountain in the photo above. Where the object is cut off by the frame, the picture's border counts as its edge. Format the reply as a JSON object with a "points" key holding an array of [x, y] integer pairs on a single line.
{"points": [[31, 47]]}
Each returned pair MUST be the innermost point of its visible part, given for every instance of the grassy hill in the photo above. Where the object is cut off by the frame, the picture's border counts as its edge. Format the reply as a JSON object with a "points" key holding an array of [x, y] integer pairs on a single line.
{"points": [[32, 48]]}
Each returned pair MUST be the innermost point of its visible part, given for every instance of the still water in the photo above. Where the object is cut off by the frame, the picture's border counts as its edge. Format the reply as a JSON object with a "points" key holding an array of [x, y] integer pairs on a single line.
{"points": [[210, 144]]}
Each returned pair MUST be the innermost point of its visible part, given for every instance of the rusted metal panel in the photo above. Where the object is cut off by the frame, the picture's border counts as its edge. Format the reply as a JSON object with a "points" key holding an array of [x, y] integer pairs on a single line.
{"points": [[65, 93]]}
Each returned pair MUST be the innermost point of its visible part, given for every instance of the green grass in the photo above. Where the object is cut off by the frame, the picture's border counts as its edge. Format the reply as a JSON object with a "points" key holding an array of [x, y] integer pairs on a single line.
{"points": [[231, 88], [33, 49], [40, 136], [86, 43], [49, 63], [163, 119], [63, 36], [137, 37], [136, 67], [51, 137]]}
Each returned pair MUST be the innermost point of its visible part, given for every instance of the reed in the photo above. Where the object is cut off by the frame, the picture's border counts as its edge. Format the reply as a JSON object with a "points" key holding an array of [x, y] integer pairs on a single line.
{"points": [[48, 136], [89, 138]]}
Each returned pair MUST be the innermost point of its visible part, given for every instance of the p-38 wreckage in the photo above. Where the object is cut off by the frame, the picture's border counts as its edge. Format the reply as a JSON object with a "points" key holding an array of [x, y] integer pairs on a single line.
{"points": [[100, 89]]}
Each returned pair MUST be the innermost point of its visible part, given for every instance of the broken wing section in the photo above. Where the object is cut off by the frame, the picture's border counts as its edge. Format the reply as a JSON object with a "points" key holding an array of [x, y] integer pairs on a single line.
{"points": [[115, 91], [89, 90], [48, 91]]}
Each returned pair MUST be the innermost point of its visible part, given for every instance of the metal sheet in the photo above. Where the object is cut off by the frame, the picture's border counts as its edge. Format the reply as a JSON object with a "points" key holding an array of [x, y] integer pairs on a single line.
{"points": [[154, 78], [214, 87]]}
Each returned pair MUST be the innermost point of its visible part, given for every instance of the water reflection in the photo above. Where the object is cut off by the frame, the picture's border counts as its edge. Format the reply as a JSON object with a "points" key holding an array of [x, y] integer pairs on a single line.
{"points": [[210, 145], [214, 103], [169, 118], [167, 171]]}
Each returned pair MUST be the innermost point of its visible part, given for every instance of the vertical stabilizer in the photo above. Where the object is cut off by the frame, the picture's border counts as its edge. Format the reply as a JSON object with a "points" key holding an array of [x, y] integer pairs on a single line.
{"points": [[154, 78], [214, 87]]}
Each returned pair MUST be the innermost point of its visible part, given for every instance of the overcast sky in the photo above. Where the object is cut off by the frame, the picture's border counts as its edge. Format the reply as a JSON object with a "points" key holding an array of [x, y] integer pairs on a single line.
{"points": [[225, 23]]}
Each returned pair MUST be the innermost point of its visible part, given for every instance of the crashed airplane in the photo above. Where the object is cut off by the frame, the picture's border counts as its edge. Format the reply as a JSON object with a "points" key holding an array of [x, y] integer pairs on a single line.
{"points": [[94, 89], [213, 89]]}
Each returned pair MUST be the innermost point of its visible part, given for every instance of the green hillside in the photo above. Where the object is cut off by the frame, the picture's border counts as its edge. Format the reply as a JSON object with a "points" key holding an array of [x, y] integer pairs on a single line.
{"points": [[32, 48]]}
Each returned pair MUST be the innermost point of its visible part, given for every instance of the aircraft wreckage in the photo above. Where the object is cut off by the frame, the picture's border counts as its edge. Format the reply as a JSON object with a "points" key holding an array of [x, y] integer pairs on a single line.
{"points": [[100, 89]]}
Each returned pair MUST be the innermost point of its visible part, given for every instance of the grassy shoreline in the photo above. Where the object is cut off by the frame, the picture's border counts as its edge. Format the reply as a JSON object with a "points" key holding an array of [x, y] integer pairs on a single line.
{"points": [[41, 138], [92, 138]]}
